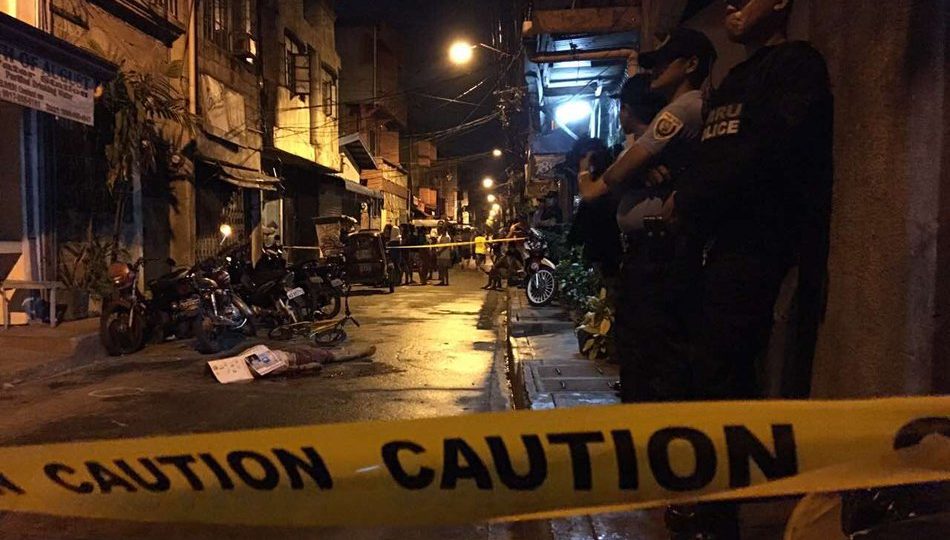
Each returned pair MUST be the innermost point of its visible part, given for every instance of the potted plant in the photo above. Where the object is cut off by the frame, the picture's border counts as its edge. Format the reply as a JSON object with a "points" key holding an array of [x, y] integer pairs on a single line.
{"points": [[593, 334], [83, 271]]}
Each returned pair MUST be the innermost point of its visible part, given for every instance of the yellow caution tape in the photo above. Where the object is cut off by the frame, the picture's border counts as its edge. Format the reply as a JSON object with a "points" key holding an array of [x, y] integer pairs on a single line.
{"points": [[453, 244], [488, 466]]}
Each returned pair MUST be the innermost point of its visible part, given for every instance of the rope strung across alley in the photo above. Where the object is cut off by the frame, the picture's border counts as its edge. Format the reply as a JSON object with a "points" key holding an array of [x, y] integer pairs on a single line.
{"points": [[429, 246]]}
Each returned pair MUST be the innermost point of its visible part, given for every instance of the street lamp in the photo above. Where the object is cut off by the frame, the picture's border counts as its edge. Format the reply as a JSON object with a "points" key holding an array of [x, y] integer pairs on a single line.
{"points": [[488, 182], [491, 198], [461, 52], [496, 207], [497, 152]]}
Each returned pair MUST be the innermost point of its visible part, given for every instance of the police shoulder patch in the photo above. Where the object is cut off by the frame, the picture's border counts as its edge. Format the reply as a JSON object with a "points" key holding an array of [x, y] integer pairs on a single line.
{"points": [[666, 126]]}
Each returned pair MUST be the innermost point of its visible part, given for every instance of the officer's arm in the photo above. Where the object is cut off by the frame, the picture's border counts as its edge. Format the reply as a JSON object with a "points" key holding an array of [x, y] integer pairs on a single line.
{"points": [[627, 166]]}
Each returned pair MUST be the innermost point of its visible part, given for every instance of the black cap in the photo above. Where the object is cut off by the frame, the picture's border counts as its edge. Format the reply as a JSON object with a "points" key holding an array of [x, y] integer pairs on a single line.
{"points": [[680, 43], [633, 89], [636, 94]]}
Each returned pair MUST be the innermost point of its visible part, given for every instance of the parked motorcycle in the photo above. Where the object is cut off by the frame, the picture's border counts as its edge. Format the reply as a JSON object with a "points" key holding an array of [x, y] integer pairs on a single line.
{"points": [[540, 283], [281, 294], [222, 310], [327, 284], [129, 320]]}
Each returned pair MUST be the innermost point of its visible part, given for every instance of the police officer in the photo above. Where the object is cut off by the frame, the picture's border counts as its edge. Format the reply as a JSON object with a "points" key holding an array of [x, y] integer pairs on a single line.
{"points": [[651, 319], [761, 190], [760, 194]]}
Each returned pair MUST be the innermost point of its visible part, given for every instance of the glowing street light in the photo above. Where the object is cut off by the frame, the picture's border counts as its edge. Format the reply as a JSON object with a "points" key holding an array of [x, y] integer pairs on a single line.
{"points": [[488, 182], [491, 198], [497, 152], [461, 52], [496, 207], [572, 111]]}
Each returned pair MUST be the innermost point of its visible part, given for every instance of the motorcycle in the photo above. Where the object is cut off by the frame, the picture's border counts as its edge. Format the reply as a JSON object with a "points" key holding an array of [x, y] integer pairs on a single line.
{"points": [[540, 282], [128, 319], [282, 294], [327, 284], [222, 310]]}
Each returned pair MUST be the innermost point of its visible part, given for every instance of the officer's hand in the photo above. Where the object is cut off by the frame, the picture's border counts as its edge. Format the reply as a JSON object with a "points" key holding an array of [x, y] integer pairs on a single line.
{"points": [[585, 162], [657, 175], [589, 187], [669, 209]]}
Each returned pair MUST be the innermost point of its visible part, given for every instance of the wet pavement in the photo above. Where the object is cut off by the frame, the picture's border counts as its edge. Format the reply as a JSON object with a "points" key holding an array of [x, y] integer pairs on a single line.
{"points": [[436, 356]]}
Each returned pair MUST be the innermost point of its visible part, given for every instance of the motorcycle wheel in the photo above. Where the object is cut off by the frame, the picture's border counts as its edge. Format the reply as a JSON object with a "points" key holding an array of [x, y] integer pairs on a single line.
{"points": [[207, 335], [116, 335], [250, 328], [324, 303], [540, 287]]}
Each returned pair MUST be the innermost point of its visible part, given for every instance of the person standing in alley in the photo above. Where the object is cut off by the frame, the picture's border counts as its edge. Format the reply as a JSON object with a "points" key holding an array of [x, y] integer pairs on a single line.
{"points": [[443, 254], [481, 248], [759, 194], [394, 240], [654, 299], [422, 255]]}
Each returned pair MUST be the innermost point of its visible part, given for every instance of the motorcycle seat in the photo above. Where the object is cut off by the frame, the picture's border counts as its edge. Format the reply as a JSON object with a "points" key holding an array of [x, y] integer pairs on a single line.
{"points": [[168, 278]]}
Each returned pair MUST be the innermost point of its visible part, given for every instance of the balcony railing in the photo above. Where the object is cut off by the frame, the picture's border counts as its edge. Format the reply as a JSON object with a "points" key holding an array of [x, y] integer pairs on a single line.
{"points": [[165, 8]]}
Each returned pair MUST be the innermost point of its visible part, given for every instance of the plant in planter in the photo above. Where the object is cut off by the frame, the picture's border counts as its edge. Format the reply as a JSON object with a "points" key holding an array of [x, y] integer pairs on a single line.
{"points": [[593, 335], [83, 270], [577, 281]]}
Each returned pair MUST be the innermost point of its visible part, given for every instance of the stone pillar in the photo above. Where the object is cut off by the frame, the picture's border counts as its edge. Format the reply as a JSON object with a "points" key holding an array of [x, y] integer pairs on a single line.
{"points": [[181, 219], [886, 327]]}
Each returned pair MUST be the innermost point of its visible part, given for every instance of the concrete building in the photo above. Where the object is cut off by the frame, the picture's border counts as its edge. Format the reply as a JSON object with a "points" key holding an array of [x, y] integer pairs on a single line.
{"points": [[373, 106], [57, 200], [435, 182], [301, 72]]}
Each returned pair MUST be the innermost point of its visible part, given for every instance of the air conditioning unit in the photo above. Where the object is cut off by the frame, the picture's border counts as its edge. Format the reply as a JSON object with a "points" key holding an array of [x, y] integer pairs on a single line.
{"points": [[244, 46]]}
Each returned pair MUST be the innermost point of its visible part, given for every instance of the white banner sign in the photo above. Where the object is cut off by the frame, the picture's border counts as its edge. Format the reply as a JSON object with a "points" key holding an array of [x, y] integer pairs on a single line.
{"points": [[33, 81]]}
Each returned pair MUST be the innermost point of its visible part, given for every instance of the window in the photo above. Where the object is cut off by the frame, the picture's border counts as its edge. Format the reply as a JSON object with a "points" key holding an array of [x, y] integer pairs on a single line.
{"points": [[230, 25], [329, 91], [216, 23], [296, 74]]}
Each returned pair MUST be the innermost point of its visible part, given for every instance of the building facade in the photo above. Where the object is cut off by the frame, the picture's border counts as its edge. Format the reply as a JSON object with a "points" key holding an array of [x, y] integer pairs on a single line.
{"points": [[373, 106]]}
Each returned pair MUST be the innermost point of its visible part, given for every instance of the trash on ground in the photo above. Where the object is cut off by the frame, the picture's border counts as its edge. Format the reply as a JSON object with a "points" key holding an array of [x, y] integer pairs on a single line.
{"points": [[263, 360], [231, 370]]}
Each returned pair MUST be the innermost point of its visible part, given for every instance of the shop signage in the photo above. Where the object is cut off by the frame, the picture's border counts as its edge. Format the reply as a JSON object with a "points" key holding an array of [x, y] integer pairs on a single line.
{"points": [[33, 81]]}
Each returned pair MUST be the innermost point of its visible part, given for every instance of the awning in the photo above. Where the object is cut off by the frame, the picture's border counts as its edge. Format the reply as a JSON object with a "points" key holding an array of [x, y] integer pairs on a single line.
{"points": [[360, 189], [353, 145], [245, 178]]}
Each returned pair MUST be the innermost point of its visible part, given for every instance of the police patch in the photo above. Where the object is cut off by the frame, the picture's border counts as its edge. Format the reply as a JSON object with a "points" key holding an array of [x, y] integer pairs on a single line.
{"points": [[666, 126]]}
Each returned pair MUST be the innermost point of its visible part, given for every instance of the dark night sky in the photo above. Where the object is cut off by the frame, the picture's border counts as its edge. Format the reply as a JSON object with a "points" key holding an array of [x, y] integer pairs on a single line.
{"points": [[427, 28]]}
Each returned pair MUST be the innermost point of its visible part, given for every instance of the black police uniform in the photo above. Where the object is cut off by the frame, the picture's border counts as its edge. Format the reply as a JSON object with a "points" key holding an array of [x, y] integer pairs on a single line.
{"points": [[760, 190]]}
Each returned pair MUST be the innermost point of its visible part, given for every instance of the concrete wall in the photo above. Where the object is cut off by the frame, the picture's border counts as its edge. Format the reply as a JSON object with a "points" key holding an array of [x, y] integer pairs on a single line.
{"points": [[886, 326], [886, 331], [354, 42], [121, 42], [303, 126]]}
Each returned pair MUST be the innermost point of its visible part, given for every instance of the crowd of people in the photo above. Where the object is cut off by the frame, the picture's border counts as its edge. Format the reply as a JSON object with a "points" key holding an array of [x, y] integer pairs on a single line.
{"points": [[718, 197], [447, 245]]}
